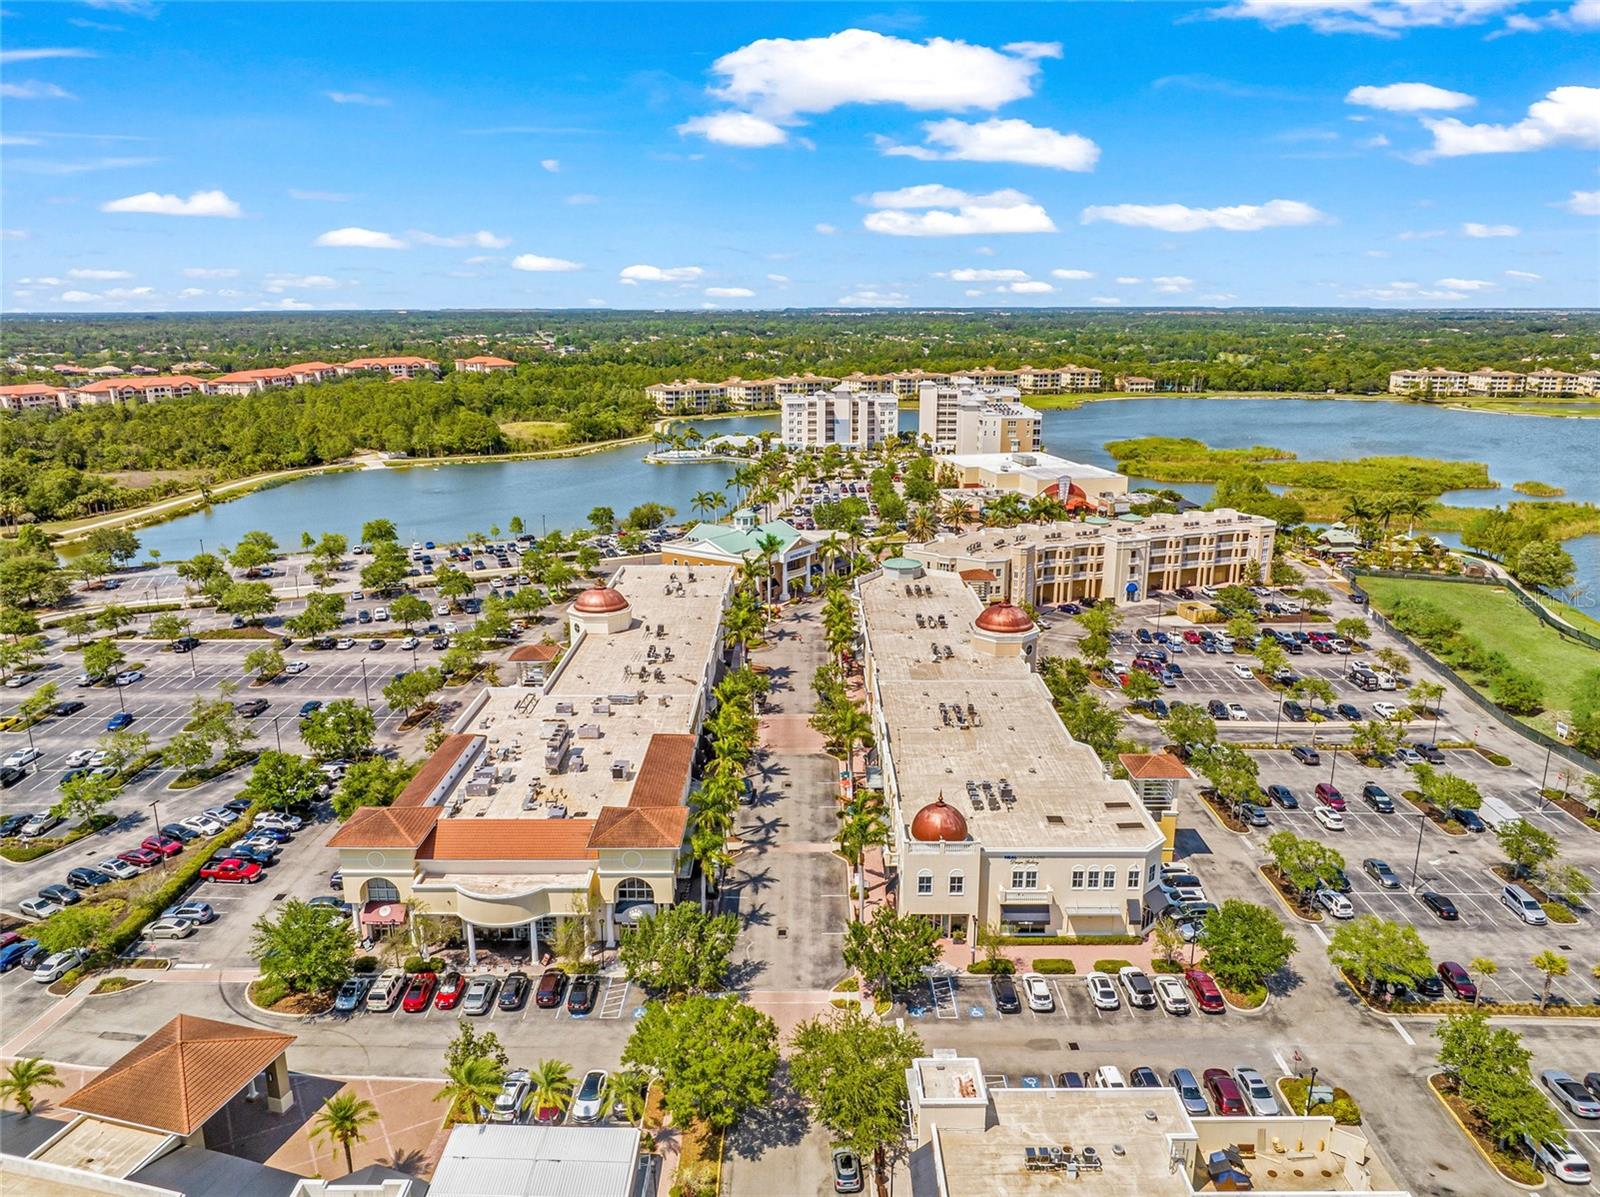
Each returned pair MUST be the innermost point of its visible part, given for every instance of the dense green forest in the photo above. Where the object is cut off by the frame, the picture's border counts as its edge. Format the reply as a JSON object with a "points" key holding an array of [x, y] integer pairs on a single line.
{"points": [[581, 375]]}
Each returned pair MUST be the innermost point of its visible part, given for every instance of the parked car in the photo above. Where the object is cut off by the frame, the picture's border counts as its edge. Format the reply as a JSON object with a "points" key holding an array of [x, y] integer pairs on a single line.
{"points": [[452, 986], [352, 994], [1440, 905], [582, 993], [118, 868], [119, 721], [1561, 1160], [84, 877], [1102, 992], [1329, 818], [1568, 1092], [551, 988], [1458, 980], [1144, 1078], [513, 1095], [1237, 713], [1468, 819], [279, 821], [588, 1099], [1037, 990], [419, 992], [1072, 1080], [1283, 796], [141, 858], [1334, 903], [59, 964], [1294, 712], [514, 990], [1171, 995], [38, 908], [196, 912], [1380, 872], [1204, 991], [203, 825], [1189, 1092], [1257, 1093], [1523, 904], [39, 824], [162, 845], [1217, 709], [1225, 1095], [165, 928], [1305, 754], [847, 1174], [1006, 999], [1348, 711], [232, 869], [61, 895], [479, 997], [1385, 710], [10, 775], [1136, 985], [13, 954], [1377, 798], [1109, 1076]]}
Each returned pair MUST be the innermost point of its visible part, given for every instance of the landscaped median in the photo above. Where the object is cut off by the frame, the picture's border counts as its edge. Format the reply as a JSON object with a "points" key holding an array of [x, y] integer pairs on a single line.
{"points": [[20, 851], [1295, 1091], [1519, 1172]]}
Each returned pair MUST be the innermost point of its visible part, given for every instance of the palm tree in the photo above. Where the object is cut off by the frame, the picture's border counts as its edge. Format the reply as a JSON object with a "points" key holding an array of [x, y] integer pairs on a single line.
{"points": [[628, 1089], [853, 726], [709, 846], [1046, 509], [341, 1121], [864, 824], [471, 1085], [959, 512], [923, 524], [551, 1085], [22, 1077], [1552, 965], [770, 544], [707, 502]]}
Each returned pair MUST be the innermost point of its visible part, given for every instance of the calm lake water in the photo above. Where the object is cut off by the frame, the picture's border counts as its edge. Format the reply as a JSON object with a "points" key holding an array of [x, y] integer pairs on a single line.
{"points": [[443, 502]]}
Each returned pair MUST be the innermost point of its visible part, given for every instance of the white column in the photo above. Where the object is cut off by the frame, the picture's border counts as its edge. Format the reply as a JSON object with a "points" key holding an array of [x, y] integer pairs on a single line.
{"points": [[533, 941], [611, 924], [472, 944]]}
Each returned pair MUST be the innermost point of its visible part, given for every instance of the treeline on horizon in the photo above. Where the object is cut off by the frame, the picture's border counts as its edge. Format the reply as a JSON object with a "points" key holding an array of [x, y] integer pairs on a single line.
{"points": [[57, 465]]}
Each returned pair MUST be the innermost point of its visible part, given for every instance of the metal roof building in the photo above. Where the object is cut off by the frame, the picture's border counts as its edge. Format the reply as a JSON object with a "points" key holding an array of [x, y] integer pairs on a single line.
{"points": [[542, 1161]]}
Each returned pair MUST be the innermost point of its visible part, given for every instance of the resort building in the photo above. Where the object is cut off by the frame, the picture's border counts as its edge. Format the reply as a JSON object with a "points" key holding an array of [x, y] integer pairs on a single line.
{"points": [[1031, 474], [395, 367], [1124, 558], [1550, 382], [962, 416], [795, 558], [693, 396], [483, 364], [1435, 380], [1135, 384], [1494, 382], [562, 800], [852, 419], [1057, 380], [689, 397], [250, 382], [27, 396], [306, 373], [1544, 382], [973, 1139], [997, 815]]}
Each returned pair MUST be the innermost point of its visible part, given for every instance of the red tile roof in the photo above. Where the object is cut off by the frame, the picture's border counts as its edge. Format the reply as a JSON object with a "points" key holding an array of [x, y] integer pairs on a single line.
{"points": [[509, 839], [535, 652], [1153, 766], [640, 827], [386, 827], [664, 773], [433, 769]]}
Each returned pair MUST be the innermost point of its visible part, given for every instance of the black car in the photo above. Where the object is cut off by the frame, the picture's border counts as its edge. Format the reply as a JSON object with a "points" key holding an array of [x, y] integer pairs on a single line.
{"points": [[1217, 709], [1005, 996], [1159, 709], [65, 895], [1295, 712], [10, 775], [580, 998], [251, 852], [177, 831], [67, 708], [441, 642], [1468, 819], [1340, 882], [1440, 905], [1072, 1080], [514, 992], [185, 644], [1346, 711], [1283, 796], [33, 958], [552, 987], [238, 806], [87, 878], [1144, 1078], [1429, 753], [1429, 986]]}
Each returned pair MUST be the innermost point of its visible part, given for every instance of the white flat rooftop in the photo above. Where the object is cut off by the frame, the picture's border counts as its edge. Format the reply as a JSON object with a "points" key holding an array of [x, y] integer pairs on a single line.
{"points": [[1037, 463]]}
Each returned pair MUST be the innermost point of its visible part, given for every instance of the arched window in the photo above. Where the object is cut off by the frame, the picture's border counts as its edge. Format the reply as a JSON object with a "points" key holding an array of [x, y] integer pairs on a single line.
{"points": [[381, 890], [632, 891], [924, 883], [958, 883]]}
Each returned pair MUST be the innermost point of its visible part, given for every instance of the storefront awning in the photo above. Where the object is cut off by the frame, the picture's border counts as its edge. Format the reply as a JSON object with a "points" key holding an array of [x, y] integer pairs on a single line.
{"points": [[383, 914], [1024, 914], [1079, 912], [638, 912]]}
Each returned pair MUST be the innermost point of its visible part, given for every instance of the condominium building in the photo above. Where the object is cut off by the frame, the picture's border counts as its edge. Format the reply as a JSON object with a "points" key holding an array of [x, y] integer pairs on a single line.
{"points": [[1494, 382], [852, 419], [692, 396], [484, 364], [986, 475], [962, 416], [562, 798], [1135, 384], [1057, 380], [251, 382], [27, 396], [124, 390], [1551, 382], [1124, 558], [1544, 382], [687, 397], [997, 815], [395, 367], [1434, 380]]}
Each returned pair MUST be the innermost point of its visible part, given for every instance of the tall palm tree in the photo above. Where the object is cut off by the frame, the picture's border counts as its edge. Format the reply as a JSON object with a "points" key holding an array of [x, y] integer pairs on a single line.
{"points": [[770, 544], [471, 1086], [706, 502], [864, 824], [341, 1121], [627, 1089], [853, 726], [551, 1085], [923, 524], [22, 1077], [958, 511]]}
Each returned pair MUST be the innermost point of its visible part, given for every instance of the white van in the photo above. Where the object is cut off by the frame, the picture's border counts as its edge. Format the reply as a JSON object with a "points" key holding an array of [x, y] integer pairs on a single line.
{"points": [[1521, 903], [1335, 904], [1496, 813], [1109, 1076]]}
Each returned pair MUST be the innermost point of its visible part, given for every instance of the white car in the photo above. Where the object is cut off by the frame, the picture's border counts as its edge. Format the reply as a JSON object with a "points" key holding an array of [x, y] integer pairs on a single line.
{"points": [[128, 677], [294, 667], [221, 814], [22, 757], [1103, 992], [345, 642], [192, 912], [98, 757], [1136, 985], [279, 822], [381, 614], [409, 643], [1037, 989], [165, 928], [1169, 992], [120, 869], [512, 1097], [54, 967], [588, 1101], [38, 908], [78, 758], [1242, 671], [20, 680], [1561, 1161], [1328, 817], [1334, 903], [442, 609], [202, 824], [1385, 710], [1237, 713], [1257, 1093]]}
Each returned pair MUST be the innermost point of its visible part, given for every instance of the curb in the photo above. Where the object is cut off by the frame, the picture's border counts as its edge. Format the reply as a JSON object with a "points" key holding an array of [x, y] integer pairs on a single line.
{"points": [[1284, 902], [1217, 819], [260, 1009], [1473, 1139], [1248, 1011]]}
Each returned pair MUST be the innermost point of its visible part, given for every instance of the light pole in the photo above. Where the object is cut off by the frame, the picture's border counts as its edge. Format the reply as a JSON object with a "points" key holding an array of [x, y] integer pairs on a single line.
{"points": [[155, 815], [1545, 776], [277, 735], [1416, 861], [365, 696], [1335, 767], [1310, 1085]]}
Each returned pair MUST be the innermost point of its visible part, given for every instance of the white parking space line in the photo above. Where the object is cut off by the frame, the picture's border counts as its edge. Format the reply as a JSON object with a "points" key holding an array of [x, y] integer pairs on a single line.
{"points": [[1402, 1032]]}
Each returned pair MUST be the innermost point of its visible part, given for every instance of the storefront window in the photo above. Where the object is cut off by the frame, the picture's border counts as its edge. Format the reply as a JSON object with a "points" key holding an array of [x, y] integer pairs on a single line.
{"points": [[382, 890]]}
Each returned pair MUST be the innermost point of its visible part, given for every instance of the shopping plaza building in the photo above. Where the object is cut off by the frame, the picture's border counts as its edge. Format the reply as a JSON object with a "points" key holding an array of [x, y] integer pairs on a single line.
{"points": [[1124, 557], [998, 816], [566, 789]]}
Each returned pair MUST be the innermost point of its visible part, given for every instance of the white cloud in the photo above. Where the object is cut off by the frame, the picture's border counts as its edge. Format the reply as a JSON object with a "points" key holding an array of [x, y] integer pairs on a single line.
{"points": [[14, 234], [1566, 116], [1029, 287], [1179, 218], [1473, 229], [973, 292], [200, 203], [741, 129], [191, 292], [9, 139], [99, 276], [1420, 234], [482, 239], [729, 292], [1072, 275], [33, 89], [582, 197], [1463, 284], [827, 230], [357, 97], [1172, 284], [78, 297], [278, 283], [1375, 253], [537, 264], [1106, 301], [1582, 203], [325, 197], [634, 275], [35, 55], [120, 293], [867, 297], [953, 213], [968, 274], [1128, 280], [1526, 276], [996, 140], [780, 78], [553, 165], [288, 303], [210, 272], [1380, 18], [1409, 97], [778, 278], [355, 237], [1376, 142], [1406, 292], [1033, 49]]}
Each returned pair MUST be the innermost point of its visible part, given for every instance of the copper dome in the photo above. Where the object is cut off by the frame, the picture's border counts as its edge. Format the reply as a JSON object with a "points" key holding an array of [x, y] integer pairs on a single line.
{"points": [[1005, 619], [599, 600], [939, 821]]}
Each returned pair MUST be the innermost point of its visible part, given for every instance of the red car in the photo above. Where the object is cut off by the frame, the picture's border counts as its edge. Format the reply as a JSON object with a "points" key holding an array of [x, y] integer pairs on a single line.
{"points": [[231, 868], [1191, 637], [1328, 794], [1225, 1096], [419, 992], [1459, 980], [451, 986], [141, 858], [163, 844], [1205, 992]]}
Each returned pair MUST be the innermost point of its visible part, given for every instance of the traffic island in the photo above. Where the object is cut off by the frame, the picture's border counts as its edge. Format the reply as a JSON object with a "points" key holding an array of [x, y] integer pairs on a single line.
{"points": [[1518, 1172]]}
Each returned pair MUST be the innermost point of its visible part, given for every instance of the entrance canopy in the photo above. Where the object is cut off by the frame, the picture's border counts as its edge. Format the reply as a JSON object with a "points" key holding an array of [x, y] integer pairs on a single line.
{"points": [[1024, 914], [383, 914]]}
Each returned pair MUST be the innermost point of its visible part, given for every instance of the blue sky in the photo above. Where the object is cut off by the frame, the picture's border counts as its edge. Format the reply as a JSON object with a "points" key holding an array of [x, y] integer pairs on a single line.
{"points": [[1386, 153]]}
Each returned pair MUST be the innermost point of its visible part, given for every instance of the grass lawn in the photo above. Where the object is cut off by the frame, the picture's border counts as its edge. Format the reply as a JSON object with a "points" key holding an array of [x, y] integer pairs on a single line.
{"points": [[546, 431], [1494, 617]]}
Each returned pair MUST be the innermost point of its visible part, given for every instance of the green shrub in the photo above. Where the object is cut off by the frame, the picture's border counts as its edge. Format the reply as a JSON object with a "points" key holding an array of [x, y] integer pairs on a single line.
{"points": [[1495, 758], [1556, 912], [1345, 1111], [1166, 966], [21, 851], [424, 964], [1055, 967], [1111, 964], [1000, 965], [364, 964], [268, 991], [184, 874]]}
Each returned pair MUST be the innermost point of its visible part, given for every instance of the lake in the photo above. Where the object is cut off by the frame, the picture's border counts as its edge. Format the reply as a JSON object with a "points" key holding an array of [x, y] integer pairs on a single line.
{"points": [[443, 502]]}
